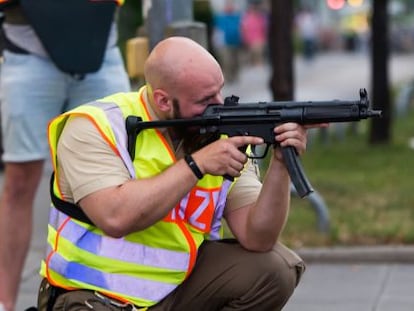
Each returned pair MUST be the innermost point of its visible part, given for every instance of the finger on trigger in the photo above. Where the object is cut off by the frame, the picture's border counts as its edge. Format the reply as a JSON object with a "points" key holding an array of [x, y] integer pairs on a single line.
{"points": [[247, 140]]}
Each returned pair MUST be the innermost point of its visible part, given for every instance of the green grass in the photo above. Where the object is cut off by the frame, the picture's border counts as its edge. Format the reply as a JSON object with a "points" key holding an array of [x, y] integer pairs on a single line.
{"points": [[369, 190]]}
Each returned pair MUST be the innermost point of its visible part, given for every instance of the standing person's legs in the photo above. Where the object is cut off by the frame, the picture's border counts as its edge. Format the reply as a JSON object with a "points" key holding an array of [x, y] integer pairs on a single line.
{"points": [[228, 277], [32, 92], [227, 60], [258, 53], [234, 62], [109, 79]]}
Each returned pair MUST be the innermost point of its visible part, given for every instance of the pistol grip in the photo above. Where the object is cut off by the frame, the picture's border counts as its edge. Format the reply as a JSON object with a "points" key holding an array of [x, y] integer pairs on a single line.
{"points": [[227, 176]]}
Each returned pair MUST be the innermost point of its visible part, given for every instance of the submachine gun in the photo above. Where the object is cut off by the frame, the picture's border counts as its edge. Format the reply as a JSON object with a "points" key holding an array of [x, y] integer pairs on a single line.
{"points": [[259, 119]]}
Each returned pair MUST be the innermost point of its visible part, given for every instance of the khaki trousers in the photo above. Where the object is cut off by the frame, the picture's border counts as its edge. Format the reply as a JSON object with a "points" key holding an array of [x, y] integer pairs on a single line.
{"points": [[226, 277]]}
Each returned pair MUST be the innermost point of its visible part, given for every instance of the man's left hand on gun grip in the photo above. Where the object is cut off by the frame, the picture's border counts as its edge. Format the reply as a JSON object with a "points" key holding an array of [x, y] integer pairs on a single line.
{"points": [[291, 134]]}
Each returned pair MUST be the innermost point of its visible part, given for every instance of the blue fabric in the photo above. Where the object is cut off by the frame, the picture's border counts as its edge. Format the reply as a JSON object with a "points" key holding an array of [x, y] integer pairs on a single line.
{"points": [[229, 24]]}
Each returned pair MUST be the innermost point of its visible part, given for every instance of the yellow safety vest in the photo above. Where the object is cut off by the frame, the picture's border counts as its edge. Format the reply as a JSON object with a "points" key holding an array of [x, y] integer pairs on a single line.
{"points": [[145, 266]]}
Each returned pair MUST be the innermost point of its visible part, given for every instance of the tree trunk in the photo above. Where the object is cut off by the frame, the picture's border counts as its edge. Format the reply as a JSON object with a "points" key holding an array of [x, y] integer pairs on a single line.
{"points": [[380, 131], [281, 50]]}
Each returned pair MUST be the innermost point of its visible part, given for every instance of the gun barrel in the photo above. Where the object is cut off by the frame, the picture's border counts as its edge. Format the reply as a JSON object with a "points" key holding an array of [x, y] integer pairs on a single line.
{"points": [[374, 113]]}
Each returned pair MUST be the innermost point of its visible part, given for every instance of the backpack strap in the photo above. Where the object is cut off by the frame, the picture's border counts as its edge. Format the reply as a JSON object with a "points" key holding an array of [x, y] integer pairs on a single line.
{"points": [[70, 209]]}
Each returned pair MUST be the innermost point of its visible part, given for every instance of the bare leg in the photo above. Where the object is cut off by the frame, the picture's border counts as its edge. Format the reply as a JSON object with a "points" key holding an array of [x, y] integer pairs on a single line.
{"points": [[21, 181]]}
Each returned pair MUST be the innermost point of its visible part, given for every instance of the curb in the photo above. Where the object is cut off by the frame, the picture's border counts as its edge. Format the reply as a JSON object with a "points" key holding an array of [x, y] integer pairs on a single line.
{"points": [[359, 254]]}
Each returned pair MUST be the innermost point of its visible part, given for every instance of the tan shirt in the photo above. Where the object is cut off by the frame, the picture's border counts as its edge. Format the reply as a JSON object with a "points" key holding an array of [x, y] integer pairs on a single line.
{"points": [[87, 164]]}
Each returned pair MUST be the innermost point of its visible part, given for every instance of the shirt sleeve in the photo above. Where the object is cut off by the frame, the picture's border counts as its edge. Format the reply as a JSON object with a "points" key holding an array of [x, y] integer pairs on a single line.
{"points": [[246, 188], [86, 161]]}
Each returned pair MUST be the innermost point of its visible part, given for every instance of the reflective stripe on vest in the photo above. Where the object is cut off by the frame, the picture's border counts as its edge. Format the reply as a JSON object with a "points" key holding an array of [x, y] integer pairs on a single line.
{"points": [[145, 266], [114, 115], [112, 248]]}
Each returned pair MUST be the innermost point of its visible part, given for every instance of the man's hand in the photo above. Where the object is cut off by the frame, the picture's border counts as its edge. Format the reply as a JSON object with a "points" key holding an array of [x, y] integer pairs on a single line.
{"points": [[293, 134], [224, 156]]}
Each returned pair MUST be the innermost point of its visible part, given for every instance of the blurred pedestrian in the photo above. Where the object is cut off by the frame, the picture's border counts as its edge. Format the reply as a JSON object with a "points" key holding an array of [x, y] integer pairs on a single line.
{"points": [[57, 55], [308, 30], [228, 40], [254, 31]]}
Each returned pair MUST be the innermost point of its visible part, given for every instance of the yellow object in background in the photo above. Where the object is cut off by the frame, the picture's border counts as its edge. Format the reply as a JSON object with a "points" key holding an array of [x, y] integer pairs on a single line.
{"points": [[137, 50]]}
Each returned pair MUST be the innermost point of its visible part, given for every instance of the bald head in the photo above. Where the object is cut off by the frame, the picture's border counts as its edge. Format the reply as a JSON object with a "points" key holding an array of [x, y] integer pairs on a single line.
{"points": [[175, 61]]}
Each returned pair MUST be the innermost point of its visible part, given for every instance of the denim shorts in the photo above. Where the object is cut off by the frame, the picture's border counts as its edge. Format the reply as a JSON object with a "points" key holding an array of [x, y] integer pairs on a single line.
{"points": [[33, 91]]}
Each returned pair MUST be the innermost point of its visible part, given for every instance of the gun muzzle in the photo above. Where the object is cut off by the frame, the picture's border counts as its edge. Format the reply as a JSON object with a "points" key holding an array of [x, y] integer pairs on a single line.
{"points": [[374, 113]]}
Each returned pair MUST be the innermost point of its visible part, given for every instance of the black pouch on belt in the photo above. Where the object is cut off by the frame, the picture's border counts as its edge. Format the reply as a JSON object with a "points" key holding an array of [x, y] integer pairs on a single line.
{"points": [[47, 296]]}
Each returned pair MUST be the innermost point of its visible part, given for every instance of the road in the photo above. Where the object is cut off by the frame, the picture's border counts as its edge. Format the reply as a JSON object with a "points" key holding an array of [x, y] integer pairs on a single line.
{"points": [[329, 76]]}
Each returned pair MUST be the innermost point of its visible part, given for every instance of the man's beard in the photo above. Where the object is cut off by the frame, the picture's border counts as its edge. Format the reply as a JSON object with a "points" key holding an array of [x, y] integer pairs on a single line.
{"points": [[191, 137]]}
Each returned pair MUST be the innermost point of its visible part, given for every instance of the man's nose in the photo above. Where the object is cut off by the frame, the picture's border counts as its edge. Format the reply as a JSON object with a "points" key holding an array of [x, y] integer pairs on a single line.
{"points": [[218, 99]]}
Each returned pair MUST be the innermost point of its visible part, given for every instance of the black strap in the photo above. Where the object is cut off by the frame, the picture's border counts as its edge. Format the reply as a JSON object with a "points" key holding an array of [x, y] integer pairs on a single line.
{"points": [[55, 292], [8, 45], [70, 209], [7, 4]]}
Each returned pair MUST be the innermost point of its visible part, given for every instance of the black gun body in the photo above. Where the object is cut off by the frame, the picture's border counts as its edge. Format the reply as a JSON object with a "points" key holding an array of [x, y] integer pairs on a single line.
{"points": [[259, 119], [254, 119]]}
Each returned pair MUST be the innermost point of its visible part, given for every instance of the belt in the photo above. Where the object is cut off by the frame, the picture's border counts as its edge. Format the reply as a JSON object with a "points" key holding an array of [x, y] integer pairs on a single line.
{"points": [[119, 305], [126, 306]]}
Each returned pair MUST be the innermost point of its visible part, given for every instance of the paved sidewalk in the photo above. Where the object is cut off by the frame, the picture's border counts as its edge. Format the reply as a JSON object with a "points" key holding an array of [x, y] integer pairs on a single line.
{"points": [[356, 287], [357, 279]]}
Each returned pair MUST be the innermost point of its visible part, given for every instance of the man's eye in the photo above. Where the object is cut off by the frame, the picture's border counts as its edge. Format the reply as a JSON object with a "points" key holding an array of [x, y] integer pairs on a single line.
{"points": [[204, 103]]}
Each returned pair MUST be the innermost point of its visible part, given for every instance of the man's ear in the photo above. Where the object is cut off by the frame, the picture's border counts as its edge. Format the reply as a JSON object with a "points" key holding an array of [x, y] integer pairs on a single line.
{"points": [[162, 100]]}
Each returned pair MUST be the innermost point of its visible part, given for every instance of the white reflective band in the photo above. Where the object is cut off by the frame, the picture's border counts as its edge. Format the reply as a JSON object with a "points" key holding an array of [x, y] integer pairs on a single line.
{"points": [[121, 250], [127, 285]]}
